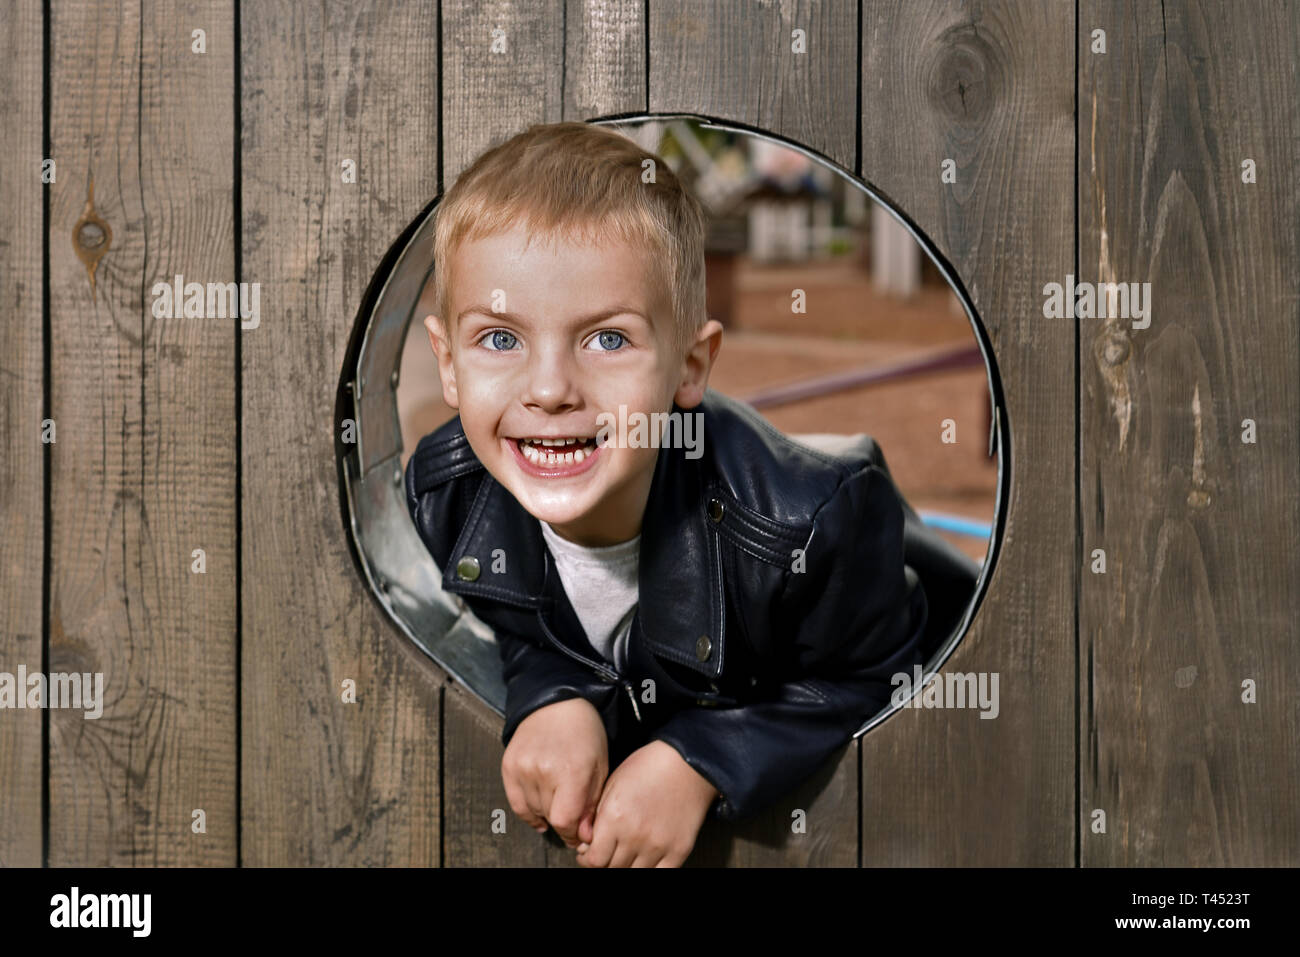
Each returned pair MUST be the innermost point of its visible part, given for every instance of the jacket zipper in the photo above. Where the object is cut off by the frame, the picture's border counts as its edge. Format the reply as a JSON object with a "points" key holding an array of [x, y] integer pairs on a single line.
{"points": [[604, 670], [599, 667], [632, 697]]}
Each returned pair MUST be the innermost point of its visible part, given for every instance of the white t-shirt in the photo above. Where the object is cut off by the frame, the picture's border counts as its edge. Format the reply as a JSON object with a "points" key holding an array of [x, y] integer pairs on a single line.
{"points": [[602, 587]]}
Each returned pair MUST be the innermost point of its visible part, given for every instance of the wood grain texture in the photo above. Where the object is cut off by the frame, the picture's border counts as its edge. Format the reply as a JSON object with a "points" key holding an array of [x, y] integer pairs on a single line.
{"points": [[1142, 702], [324, 782], [504, 64], [480, 829], [813, 826], [990, 86], [143, 471], [604, 58], [736, 60], [493, 96], [22, 454], [1199, 528]]}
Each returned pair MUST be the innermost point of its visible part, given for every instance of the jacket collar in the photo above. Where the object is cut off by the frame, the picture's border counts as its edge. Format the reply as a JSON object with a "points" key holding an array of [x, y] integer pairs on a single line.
{"points": [[679, 578]]}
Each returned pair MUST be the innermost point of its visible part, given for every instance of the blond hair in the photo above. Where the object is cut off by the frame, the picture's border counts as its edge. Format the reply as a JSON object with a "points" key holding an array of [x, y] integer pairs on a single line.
{"points": [[585, 182]]}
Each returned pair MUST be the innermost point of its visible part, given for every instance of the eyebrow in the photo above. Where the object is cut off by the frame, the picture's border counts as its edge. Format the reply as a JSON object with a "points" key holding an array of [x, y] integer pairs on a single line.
{"points": [[580, 321]]}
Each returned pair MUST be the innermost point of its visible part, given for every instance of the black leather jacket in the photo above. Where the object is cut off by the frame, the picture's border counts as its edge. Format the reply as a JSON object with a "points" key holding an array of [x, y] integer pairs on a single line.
{"points": [[774, 602]]}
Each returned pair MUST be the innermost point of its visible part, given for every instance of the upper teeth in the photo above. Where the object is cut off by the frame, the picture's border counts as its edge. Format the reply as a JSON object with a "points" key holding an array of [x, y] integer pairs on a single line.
{"points": [[545, 451]]}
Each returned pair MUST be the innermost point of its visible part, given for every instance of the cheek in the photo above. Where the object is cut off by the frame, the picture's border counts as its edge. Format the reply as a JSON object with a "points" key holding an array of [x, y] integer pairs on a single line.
{"points": [[480, 408], [486, 382], [481, 435], [641, 389], [635, 460]]}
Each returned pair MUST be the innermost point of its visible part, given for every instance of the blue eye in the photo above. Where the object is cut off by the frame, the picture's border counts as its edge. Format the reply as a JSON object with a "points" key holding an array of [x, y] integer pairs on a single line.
{"points": [[501, 340], [610, 341]]}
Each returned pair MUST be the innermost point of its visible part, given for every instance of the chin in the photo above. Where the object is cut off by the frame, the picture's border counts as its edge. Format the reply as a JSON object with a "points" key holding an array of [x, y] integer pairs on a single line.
{"points": [[554, 514]]}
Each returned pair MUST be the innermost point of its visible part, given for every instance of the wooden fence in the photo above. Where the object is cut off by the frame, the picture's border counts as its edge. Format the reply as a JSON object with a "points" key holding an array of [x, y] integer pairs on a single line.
{"points": [[168, 485]]}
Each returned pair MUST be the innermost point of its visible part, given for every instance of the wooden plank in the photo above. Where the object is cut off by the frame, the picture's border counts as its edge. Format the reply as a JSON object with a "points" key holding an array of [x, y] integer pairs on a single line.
{"points": [[326, 782], [604, 58], [734, 61], [143, 472], [1198, 527], [991, 87], [479, 827], [737, 60], [22, 466], [503, 62], [813, 826], [489, 97]]}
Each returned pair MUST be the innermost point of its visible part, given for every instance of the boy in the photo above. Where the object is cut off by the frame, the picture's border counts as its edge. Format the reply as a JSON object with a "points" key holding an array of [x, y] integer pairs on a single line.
{"points": [[714, 621]]}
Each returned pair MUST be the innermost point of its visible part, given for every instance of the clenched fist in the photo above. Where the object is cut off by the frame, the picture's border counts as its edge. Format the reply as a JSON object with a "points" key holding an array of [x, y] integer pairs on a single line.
{"points": [[555, 767]]}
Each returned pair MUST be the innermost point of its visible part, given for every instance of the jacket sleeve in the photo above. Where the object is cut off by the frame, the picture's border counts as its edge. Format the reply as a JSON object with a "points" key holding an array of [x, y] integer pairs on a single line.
{"points": [[536, 676], [850, 621]]}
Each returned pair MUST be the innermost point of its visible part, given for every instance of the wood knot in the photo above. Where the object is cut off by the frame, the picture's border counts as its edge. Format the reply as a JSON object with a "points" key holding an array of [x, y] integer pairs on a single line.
{"points": [[965, 77], [91, 236], [1114, 348], [72, 654]]}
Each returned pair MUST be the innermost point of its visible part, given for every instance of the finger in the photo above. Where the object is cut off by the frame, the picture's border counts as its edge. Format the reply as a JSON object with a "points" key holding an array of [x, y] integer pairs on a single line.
{"points": [[624, 854], [535, 793], [566, 811], [519, 804], [596, 790], [536, 799], [602, 847], [587, 825]]}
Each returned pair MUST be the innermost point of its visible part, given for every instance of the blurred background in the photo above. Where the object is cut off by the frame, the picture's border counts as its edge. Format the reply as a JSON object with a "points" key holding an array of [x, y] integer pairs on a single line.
{"points": [[884, 346]]}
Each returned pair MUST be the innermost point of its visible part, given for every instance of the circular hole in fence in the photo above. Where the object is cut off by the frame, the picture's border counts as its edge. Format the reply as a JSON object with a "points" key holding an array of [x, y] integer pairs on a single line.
{"points": [[842, 325]]}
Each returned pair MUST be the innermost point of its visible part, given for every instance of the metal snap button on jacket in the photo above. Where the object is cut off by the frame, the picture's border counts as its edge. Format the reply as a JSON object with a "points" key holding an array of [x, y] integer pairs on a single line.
{"points": [[715, 513], [467, 568], [702, 647]]}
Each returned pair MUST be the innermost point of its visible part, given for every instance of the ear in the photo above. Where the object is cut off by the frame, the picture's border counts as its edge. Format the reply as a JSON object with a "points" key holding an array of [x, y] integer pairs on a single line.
{"points": [[441, 343], [696, 364]]}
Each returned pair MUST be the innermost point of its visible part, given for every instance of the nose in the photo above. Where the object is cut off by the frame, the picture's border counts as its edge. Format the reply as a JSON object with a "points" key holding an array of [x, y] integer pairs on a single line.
{"points": [[551, 380]]}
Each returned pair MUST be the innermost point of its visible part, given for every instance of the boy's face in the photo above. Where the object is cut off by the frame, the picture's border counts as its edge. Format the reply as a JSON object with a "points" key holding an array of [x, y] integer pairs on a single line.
{"points": [[539, 342]]}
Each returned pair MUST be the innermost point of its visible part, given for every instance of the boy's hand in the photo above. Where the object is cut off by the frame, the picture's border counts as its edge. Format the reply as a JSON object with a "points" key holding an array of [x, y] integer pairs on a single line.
{"points": [[650, 812], [554, 767]]}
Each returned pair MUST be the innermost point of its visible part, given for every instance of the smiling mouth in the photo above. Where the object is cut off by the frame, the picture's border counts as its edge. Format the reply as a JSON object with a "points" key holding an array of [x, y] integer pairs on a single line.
{"points": [[547, 452]]}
